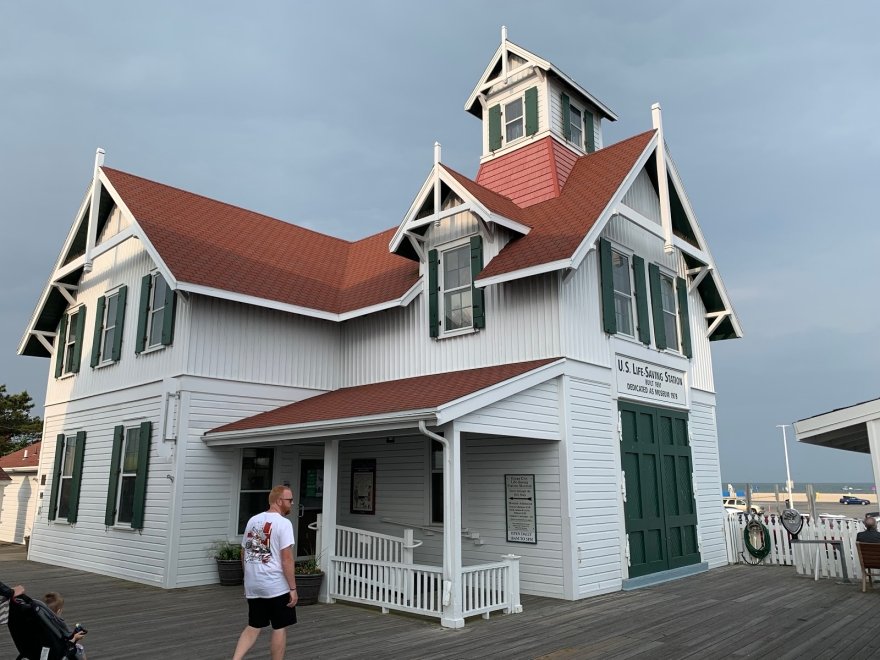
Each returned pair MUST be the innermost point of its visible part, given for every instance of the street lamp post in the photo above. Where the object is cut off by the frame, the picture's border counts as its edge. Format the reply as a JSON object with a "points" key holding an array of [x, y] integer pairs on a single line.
{"points": [[787, 470]]}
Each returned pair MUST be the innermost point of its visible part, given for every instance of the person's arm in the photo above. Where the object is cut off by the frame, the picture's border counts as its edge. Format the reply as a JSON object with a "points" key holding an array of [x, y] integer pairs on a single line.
{"points": [[289, 573]]}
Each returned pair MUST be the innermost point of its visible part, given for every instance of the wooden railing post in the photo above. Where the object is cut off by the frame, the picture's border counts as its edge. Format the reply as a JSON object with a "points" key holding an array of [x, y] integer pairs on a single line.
{"points": [[513, 603]]}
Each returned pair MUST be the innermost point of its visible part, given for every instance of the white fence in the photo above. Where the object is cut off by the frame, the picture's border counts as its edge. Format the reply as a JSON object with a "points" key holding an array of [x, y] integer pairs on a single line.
{"points": [[819, 559], [378, 569]]}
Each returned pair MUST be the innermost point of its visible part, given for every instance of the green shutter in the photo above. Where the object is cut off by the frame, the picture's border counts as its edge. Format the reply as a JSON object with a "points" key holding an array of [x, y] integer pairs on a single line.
{"points": [[606, 278], [140, 481], [121, 299], [684, 319], [566, 116], [657, 307], [77, 347], [589, 132], [168, 316], [76, 480], [494, 128], [113, 482], [479, 311], [433, 294], [143, 311], [99, 330], [60, 342], [641, 300], [531, 110], [56, 476]]}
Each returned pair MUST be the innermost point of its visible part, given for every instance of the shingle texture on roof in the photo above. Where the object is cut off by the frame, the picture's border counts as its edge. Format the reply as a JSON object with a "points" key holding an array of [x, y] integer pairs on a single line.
{"points": [[17, 459], [418, 393], [213, 244]]}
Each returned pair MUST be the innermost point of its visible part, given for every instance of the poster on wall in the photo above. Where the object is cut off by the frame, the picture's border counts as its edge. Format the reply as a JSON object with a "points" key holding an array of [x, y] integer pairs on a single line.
{"points": [[519, 496], [363, 485]]}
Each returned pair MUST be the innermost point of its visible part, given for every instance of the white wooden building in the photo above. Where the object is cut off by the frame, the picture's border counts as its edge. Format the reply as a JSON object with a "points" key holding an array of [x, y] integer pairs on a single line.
{"points": [[18, 498], [521, 367]]}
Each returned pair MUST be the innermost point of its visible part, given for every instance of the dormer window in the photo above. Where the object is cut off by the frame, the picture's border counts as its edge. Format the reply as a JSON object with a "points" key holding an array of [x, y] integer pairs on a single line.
{"points": [[513, 120]]}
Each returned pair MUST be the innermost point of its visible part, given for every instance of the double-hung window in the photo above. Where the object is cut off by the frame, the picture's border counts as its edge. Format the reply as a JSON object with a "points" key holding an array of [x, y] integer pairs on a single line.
{"points": [[127, 487], [69, 340], [513, 120], [670, 312], [454, 304], [156, 313], [576, 133], [257, 465], [109, 324], [67, 476], [622, 278]]}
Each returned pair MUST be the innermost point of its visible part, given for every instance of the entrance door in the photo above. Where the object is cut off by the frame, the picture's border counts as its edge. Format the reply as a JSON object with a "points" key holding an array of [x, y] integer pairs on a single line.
{"points": [[661, 517], [311, 499]]}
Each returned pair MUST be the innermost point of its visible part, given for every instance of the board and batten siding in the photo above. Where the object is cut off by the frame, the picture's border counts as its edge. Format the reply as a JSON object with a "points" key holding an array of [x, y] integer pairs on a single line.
{"points": [[702, 376], [234, 341], [522, 323], [124, 264], [118, 551], [707, 478], [642, 197], [485, 461], [208, 509], [18, 504], [582, 335], [554, 92], [534, 412], [596, 503]]}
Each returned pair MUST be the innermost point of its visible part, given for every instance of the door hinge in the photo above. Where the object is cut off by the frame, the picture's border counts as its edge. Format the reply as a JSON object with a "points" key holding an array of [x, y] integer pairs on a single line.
{"points": [[623, 484], [619, 426], [626, 552]]}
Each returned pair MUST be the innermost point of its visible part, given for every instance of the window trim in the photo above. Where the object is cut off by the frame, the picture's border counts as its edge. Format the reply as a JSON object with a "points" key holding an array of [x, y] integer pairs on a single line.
{"points": [[70, 341], [631, 295], [521, 119], [127, 436], [576, 125], [153, 312], [105, 355], [429, 517], [236, 493], [62, 478], [674, 312]]}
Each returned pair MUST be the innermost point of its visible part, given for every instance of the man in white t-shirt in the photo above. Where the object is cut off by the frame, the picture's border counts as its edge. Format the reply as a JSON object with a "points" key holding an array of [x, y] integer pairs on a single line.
{"points": [[269, 579]]}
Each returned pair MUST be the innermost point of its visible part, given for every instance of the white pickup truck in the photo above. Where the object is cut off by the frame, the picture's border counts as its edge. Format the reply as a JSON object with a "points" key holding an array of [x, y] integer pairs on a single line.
{"points": [[740, 505]]}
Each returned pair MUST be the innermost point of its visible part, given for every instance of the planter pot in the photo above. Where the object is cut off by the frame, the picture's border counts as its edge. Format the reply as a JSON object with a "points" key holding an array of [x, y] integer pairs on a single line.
{"points": [[307, 587], [230, 571]]}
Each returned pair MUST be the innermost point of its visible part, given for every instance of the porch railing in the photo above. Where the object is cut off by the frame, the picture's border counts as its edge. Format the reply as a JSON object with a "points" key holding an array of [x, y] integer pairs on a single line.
{"points": [[378, 569]]}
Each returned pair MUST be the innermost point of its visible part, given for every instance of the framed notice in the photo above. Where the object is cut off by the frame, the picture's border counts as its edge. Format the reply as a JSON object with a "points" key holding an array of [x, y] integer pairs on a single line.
{"points": [[519, 506], [363, 486]]}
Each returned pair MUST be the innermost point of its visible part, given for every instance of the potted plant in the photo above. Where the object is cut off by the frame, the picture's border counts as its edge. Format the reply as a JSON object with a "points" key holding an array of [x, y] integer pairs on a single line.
{"points": [[228, 557], [308, 580]]}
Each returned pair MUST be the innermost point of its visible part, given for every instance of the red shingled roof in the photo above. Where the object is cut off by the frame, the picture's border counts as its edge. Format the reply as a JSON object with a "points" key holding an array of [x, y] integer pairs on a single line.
{"points": [[209, 243], [213, 244], [17, 459], [419, 393]]}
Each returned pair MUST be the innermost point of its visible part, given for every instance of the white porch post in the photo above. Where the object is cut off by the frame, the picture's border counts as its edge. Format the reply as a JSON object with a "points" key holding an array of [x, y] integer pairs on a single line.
{"points": [[328, 514], [873, 427], [452, 605]]}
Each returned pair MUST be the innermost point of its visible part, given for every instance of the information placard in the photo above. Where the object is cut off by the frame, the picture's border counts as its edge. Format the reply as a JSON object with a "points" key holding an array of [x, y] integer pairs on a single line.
{"points": [[637, 379], [519, 502]]}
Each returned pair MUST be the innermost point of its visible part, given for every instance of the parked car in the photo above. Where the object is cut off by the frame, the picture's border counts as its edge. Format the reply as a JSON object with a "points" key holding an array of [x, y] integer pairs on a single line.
{"points": [[740, 505], [851, 499]]}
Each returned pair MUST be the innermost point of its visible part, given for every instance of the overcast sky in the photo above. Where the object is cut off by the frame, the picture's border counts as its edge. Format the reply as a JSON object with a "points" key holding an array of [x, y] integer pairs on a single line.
{"points": [[324, 114]]}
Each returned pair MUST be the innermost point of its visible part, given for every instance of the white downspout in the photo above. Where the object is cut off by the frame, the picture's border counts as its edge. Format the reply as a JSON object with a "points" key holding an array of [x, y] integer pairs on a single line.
{"points": [[452, 605], [92, 234], [662, 180]]}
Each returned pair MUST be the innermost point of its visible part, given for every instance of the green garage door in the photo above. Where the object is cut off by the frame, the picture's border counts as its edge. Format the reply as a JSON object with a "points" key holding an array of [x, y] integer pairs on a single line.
{"points": [[661, 517]]}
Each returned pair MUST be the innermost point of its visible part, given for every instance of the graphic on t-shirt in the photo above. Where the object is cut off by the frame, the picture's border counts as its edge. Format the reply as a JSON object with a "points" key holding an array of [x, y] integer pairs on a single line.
{"points": [[256, 547]]}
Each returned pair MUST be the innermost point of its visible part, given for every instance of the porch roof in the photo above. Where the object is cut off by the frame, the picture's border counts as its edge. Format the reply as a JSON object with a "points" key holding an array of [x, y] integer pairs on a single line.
{"points": [[843, 428], [396, 403]]}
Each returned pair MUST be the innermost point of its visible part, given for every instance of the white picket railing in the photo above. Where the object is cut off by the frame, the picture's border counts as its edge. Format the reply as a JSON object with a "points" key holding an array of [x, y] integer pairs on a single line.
{"points": [[378, 569], [816, 559]]}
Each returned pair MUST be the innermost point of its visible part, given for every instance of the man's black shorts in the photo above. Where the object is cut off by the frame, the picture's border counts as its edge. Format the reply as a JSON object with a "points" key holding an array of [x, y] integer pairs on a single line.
{"points": [[263, 611]]}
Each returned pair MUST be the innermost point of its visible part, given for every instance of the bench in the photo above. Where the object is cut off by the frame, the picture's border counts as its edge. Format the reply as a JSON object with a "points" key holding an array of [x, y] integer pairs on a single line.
{"points": [[869, 558]]}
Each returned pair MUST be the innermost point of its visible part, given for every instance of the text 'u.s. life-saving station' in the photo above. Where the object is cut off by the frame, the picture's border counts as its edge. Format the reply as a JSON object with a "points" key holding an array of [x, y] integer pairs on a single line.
{"points": [[644, 380]]}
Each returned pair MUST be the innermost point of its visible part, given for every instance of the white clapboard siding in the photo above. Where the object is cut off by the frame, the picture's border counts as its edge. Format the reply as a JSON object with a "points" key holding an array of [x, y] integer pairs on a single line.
{"points": [[242, 342], [485, 461], [124, 264], [88, 545], [707, 479], [18, 503], [532, 413], [209, 497], [643, 198], [595, 485], [522, 323]]}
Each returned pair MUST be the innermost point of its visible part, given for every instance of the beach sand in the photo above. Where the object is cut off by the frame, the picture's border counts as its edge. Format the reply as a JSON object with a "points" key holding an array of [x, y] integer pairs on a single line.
{"points": [[821, 498]]}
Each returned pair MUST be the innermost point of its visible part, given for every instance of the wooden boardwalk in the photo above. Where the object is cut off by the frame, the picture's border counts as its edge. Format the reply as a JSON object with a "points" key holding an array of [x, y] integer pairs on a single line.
{"points": [[736, 611]]}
